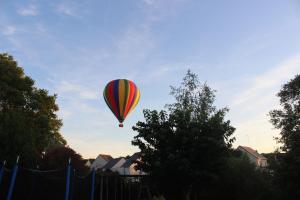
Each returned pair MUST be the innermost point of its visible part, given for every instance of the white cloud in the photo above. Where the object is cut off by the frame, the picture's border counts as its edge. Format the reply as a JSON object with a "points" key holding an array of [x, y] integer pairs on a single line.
{"points": [[149, 2], [9, 30], [263, 86], [85, 108], [163, 3], [41, 28], [77, 90], [64, 113], [157, 10], [30, 10], [166, 70], [161, 71], [66, 9], [135, 44], [249, 110]]}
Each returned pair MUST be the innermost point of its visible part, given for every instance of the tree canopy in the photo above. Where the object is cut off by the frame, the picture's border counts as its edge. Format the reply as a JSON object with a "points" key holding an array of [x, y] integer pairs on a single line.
{"points": [[28, 121], [186, 145], [287, 119], [57, 158]]}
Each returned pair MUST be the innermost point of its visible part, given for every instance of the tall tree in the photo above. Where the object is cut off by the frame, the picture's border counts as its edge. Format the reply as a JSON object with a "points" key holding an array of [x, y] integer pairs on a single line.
{"points": [[57, 158], [28, 123], [287, 119], [185, 146]]}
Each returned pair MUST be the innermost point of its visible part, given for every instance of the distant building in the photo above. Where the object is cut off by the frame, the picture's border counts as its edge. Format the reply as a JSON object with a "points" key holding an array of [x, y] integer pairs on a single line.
{"points": [[121, 165], [254, 157], [114, 164], [88, 162], [100, 161], [128, 168]]}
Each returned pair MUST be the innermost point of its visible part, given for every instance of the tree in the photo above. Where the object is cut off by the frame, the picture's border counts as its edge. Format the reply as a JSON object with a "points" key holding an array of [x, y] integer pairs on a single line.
{"points": [[243, 180], [187, 146], [58, 158], [28, 123], [287, 119]]}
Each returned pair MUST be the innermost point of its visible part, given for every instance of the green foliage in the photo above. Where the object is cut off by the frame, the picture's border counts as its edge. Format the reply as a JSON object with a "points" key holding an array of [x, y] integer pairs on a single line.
{"points": [[287, 119], [273, 160], [242, 180], [28, 123], [190, 142]]}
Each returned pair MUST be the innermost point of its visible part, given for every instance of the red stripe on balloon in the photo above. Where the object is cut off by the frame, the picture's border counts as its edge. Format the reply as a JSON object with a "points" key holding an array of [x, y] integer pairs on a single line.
{"points": [[111, 98], [130, 98], [116, 98], [134, 95]]}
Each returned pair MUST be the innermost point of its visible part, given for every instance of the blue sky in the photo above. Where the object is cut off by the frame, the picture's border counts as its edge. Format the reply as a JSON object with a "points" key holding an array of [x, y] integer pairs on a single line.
{"points": [[245, 50]]}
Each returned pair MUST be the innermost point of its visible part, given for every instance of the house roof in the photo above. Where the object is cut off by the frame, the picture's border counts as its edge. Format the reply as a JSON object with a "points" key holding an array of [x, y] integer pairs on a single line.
{"points": [[252, 152], [133, 158], [112, 163], [106, 157]]}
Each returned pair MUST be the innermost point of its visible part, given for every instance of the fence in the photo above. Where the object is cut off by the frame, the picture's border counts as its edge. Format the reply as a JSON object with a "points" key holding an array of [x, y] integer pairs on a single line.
{"points": [[22, 183]]}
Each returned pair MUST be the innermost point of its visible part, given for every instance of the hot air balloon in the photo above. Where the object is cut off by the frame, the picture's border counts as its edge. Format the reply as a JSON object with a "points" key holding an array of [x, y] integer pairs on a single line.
{"points": [[121, 96]]}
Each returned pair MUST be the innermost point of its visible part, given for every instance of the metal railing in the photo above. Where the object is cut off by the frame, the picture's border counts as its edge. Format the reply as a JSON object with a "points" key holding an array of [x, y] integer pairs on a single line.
{"points": [[23, 183]]}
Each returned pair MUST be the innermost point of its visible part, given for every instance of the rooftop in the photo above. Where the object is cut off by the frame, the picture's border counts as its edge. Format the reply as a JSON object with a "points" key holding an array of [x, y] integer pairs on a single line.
{"points": [[252, 152], [133, 158], [106, 157]]}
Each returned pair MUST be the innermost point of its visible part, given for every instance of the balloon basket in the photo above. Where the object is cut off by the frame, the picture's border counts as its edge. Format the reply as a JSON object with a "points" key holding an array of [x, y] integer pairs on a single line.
{"points": [[121, 125]]}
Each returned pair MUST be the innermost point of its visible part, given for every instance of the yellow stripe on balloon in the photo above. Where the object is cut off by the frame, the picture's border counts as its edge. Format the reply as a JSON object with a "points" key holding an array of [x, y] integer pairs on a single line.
{"points": [[121, 97], [136, 100]]}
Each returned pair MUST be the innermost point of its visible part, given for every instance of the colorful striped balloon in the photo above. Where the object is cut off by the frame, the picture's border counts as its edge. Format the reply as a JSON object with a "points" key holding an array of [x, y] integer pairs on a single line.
{"points": [[121, 96]]}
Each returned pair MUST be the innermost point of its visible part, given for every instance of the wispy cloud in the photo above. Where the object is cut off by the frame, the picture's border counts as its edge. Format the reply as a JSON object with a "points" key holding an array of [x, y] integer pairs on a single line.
{"points": [[66, 9], [76, 90], [249, 109], [166, 70], [161, 3], [41, 28], [157, 10], [64, 113], [30, 10], [263, 86], [149, 2], [9, 30], [135, 44]]}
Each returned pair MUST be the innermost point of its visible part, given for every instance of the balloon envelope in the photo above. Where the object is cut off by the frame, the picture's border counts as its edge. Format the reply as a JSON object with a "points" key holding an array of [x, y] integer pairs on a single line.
{"points": [[121, 96]]}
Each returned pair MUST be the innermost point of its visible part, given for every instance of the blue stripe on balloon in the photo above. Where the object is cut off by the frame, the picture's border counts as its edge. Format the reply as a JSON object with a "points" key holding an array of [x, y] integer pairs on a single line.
{"points": [[116, 97]]}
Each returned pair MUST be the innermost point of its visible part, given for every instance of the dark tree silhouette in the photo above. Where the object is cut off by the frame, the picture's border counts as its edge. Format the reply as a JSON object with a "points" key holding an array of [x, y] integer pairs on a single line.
{"points": [[287, 119], [188, 145], [58, 158], [28, 123]]}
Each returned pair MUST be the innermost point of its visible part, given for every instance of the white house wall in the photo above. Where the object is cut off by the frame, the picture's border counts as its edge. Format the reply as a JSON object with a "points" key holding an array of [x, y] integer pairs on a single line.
{"points": [[117, 166], [130, 171], [98, 163], [257, 161], [262, 162]]}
